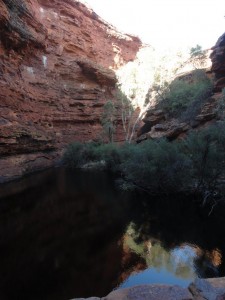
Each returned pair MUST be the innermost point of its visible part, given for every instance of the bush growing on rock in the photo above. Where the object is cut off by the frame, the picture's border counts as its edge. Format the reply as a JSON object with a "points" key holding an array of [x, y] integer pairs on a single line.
{"points": [[157, 166], [206, 151], [198, 57], [73, 155], [78, 154], [109, 153], [182, 94]]}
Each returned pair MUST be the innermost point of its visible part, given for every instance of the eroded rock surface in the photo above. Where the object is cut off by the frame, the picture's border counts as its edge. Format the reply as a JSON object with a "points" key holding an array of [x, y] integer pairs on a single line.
{"points": [[218, 63], [56, 72], [157, 124]]}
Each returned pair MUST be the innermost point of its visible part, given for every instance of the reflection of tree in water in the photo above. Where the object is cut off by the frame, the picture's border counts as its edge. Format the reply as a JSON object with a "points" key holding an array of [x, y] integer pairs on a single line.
{"points": [[158, 257], [185, 244]]}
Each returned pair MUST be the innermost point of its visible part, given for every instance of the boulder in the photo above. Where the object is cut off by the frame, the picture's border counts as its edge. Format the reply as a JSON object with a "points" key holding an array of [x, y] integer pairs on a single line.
{"points": [[208, 289]]}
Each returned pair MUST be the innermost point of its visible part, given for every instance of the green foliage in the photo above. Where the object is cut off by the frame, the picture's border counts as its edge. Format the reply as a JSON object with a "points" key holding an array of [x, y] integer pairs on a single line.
{"points": [[78, 154], [127, 110], [160, 166], [73, 155], [88, 152], [196, 51], [109, 153], [198, 57], [206, 152], [108, 120], [181, 95], [157, 166], [195, 163]]}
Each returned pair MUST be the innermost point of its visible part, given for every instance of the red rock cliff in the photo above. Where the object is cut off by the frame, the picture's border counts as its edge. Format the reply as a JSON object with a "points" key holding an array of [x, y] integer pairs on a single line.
{"points": [[218, 63], [56, 72]]}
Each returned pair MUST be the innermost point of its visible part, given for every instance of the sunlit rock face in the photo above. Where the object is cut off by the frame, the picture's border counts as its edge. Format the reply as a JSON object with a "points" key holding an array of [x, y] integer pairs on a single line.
{"points": [[157, 123], [218, 63], [56, 64]]}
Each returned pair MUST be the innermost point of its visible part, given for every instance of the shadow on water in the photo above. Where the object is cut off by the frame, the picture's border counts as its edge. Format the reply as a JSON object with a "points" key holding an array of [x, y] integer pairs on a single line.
{"points": [[67, 234], [58, 235]]}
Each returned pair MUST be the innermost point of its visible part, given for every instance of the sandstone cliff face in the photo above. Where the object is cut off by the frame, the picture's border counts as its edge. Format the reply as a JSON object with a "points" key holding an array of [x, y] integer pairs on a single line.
{"points": [[218, 63], [56, 72], [156, 124]]}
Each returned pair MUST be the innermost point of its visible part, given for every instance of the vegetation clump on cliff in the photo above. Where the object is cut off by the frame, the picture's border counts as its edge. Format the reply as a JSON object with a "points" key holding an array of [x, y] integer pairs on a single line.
{"points": [[184, 97]]}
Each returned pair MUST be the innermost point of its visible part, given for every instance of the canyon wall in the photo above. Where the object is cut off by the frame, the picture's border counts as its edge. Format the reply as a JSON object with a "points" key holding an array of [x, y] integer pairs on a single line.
{"points": [[57, 62], [157, 123], [218, 63]]}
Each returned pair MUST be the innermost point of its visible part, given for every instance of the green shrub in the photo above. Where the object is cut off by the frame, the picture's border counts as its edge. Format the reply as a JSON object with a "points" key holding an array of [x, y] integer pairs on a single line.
{"points": [[109, 153], [108, 120], [183, 94], [158, 166], [77, 154], [73, 155], [127, 150], [169, 167], [89, 152], [205, 149], [198, 57]]}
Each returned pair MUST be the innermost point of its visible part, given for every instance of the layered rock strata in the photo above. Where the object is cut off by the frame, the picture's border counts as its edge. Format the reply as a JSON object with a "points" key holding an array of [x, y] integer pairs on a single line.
{"points": [[56, 72], [158, 125]]}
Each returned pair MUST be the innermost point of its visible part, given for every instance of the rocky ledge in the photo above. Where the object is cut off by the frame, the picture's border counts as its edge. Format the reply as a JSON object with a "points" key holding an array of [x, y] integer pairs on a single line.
{"points": [[200, 289]]}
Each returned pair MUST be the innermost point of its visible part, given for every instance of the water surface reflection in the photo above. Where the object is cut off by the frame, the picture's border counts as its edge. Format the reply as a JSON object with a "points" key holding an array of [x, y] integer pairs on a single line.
{"points": [[175, 265], [66, 234]]}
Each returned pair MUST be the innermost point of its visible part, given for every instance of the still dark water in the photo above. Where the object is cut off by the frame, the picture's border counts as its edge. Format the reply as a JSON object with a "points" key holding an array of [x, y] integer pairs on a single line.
{"points": [[67, 234]]}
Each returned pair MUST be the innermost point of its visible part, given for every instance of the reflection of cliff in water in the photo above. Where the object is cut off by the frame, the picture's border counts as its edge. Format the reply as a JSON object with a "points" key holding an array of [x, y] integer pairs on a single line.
{"points": [[58, 236], [174, 235], [185, 261], [67, 234]]}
